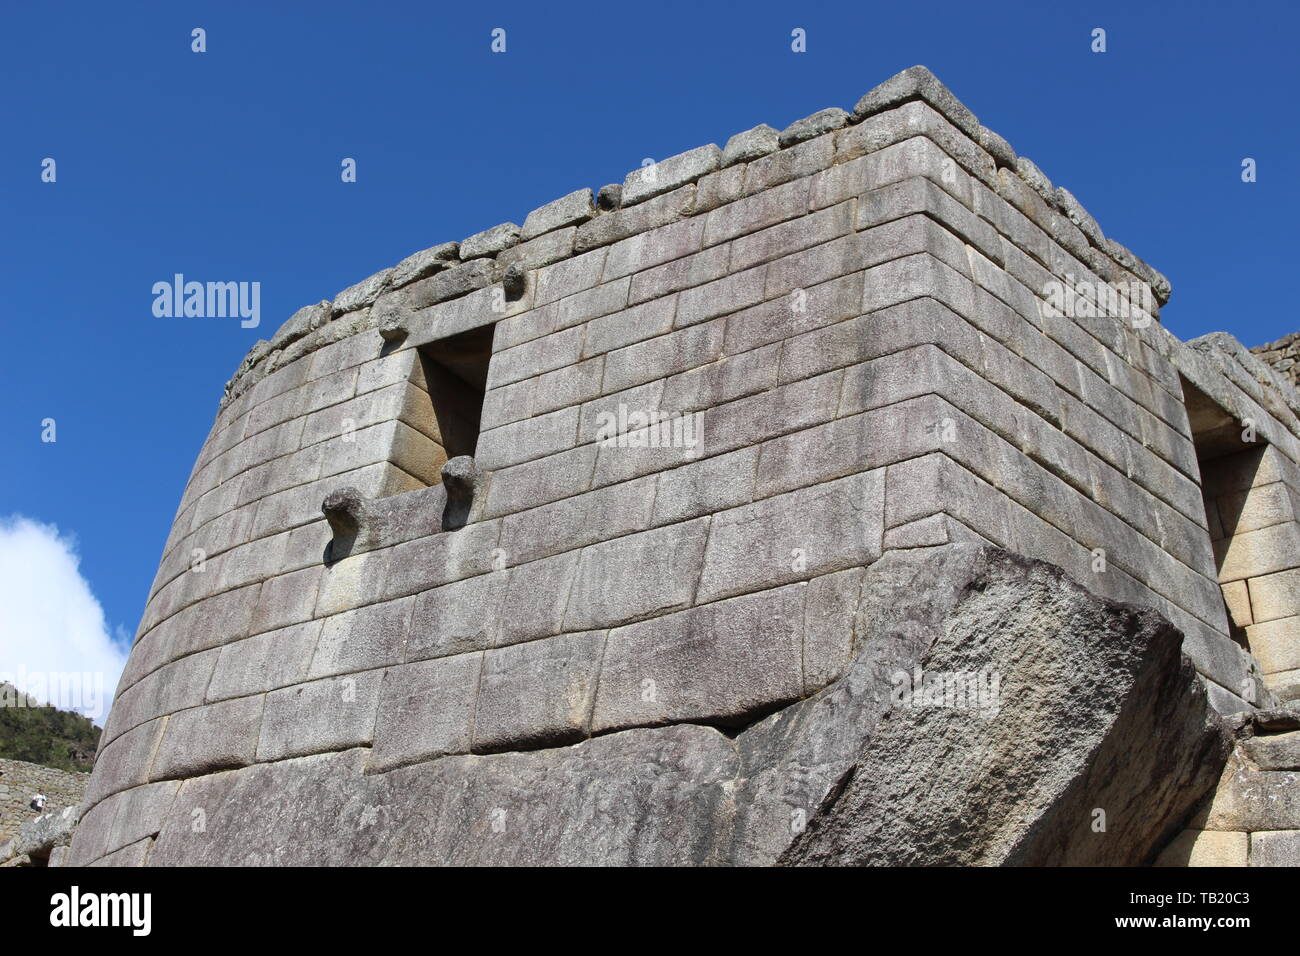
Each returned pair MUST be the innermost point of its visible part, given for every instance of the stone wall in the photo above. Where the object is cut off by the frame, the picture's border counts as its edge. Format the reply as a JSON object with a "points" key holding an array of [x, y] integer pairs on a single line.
{"points": [[19, 780], [1283, 355], [855, 305]]}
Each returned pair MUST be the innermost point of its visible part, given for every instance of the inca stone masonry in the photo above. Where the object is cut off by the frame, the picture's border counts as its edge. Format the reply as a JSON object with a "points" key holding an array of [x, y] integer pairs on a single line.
{"points": [[948, 577]]}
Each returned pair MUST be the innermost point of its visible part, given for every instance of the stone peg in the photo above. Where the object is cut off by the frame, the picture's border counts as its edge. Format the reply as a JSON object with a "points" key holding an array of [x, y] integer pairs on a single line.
{"points": [[345, 510], [460, 477], [514, 281], [391, 322]]}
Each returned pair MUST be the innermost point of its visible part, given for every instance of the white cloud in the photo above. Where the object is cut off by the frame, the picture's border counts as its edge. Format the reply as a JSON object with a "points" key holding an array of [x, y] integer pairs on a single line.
{"points": [[54, 642]]}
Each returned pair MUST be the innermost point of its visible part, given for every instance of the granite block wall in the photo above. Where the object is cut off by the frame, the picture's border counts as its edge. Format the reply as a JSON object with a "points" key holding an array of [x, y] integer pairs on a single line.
{"points": [[848, 329], [20, 780]]}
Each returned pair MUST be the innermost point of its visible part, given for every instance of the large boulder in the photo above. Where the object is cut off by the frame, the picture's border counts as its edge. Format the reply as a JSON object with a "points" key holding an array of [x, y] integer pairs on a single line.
{"points": [[995, 712]]}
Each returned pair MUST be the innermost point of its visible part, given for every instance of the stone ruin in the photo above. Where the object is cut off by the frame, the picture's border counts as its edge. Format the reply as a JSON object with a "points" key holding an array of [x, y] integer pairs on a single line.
{"points": [[832, 497]]}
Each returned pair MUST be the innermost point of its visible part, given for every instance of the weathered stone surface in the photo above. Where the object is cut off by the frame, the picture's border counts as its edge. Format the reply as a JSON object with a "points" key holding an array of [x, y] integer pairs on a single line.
{"points": [[823, 121], [851, 319], [610, 197], [424, 263], [489, 242], [917, 82], [568, 210], [751, 144], [978, 611], [1275, 848], [668, 174], [789, 787], [38, 837], [362, 294]]}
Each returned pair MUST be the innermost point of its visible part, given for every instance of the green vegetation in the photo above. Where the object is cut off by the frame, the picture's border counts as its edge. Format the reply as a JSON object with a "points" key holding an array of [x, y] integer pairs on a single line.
{"points": [[44, 735]]}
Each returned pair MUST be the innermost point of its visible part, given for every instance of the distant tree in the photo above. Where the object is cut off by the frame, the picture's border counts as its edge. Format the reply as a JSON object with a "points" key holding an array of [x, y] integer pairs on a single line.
{"points": [[45, 735]]}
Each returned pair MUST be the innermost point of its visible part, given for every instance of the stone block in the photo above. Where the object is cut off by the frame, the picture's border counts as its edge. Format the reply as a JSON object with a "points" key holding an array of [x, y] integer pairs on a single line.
{"points": [[704, 487], [729, 378], [545, 250], [362, 294], [268, 661], [440, 559], [679, 274], [1275, 596], [785, 165], [570, 277], [642, 218], [210, 738], [646, 250], [576, 521], [424, 263], [525, 440], [490, 241], [668, 174], [636, 576], [728, 294], [793, 537], [914, 83], [1257, 553], [449, 284], [756, 212], [1276, 644], [285, 599], [663, 356], [1205, 848], [351, 582], [623, 328], [426, 711], [830, 613], [1274, 751], [751, 144], [535, 357], [538, 694], [367, 638], [1275, 848], [323, 715], [725, 662], [540, 481], [576, 207], [535, 599], [823, 121], [457, 618], [786, 238]]}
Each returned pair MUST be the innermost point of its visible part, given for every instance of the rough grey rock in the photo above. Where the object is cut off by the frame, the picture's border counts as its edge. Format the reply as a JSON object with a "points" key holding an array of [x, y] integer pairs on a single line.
{"points": [[568, 210], [514, 280], [362, 294], [305, 320], [1095, 690], [1075, 212], [668, 174], [1122, 726], [997, 147], [1036, 180], [750, 144], [610, 197], [490, 241], [39, 836], [423, 263], [460, 476], [917, 82], [823, 121]]}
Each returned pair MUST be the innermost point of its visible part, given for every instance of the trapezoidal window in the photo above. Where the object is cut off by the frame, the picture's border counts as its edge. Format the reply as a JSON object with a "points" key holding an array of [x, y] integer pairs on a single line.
{"points": [[455, 373], [1236, 500]]}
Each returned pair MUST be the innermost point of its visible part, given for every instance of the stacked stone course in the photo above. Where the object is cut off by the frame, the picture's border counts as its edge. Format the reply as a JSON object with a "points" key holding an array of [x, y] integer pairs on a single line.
{"points": [[1283, 356], [20, 780], [854, 304]]}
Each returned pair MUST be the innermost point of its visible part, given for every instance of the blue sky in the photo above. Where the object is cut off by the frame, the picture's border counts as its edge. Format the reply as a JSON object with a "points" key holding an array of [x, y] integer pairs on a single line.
{"points": [[225, 166]]}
